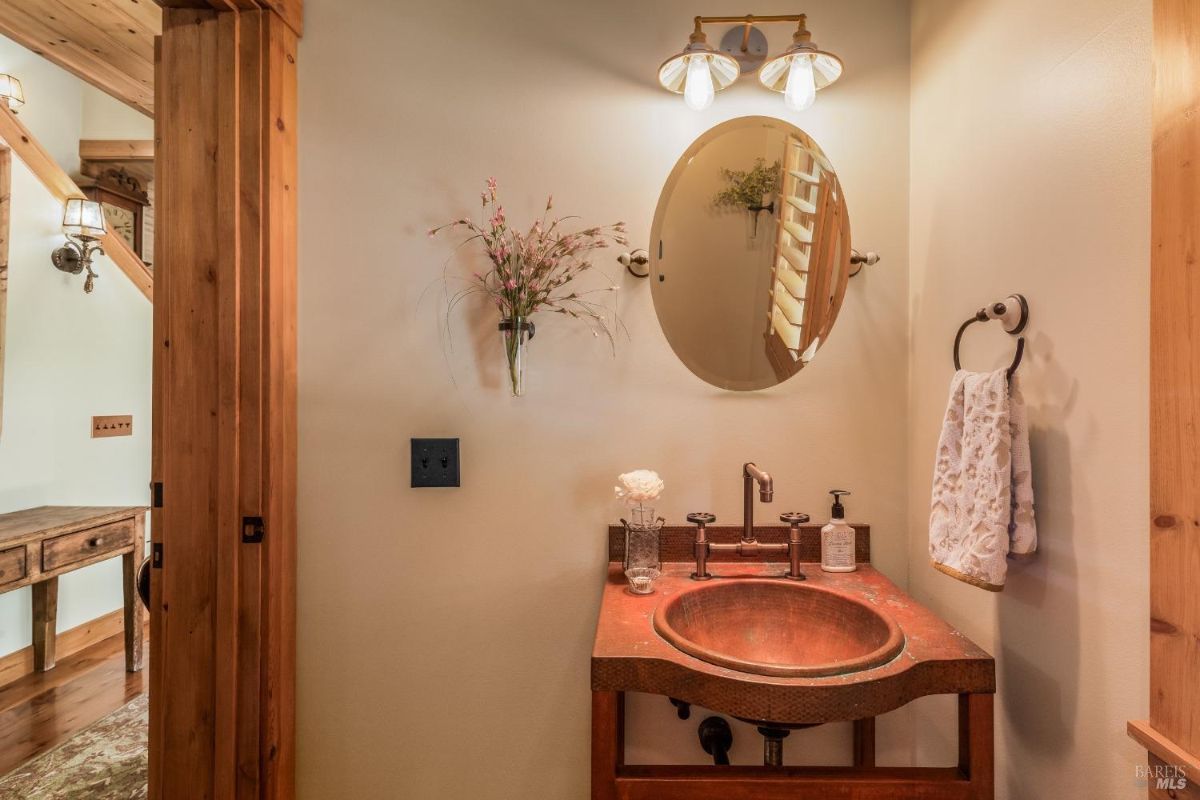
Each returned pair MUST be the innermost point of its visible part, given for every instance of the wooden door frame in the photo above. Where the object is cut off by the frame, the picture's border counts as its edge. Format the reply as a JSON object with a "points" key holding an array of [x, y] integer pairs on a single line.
{"points": [[222, 666], [1172, 733]]}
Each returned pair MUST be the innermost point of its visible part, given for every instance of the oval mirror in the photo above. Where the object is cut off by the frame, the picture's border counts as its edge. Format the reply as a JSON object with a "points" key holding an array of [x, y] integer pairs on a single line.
{"points": [[750, 253]]}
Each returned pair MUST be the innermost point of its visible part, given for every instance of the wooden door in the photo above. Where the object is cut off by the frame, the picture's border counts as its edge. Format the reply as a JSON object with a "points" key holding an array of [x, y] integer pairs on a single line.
{"points": [[224, 459]]}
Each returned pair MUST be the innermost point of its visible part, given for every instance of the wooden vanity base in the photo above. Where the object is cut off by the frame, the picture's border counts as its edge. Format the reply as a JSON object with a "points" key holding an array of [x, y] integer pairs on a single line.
{"points": [[972, 779]]}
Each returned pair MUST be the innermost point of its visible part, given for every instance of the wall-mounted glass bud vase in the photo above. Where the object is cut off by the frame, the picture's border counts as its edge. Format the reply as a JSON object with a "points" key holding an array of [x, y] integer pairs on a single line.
{"points": [[515, 334]]}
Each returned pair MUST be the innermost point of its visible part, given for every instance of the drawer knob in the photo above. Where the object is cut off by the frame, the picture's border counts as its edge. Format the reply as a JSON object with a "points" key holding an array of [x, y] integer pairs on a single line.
{"points": [[96, 541]]}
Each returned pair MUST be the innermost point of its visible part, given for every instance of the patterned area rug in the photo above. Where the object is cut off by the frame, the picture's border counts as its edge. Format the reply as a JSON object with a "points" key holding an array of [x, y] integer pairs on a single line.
{"points": [[106, 761]]}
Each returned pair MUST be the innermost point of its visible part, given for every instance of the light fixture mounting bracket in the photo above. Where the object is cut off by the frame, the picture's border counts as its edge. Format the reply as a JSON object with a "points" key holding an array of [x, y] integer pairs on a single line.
{"points": [[76, 256], [747, 44]]}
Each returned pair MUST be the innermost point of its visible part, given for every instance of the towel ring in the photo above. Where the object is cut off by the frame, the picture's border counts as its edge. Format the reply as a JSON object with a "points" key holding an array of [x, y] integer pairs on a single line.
{"points": [[1013, 313]]}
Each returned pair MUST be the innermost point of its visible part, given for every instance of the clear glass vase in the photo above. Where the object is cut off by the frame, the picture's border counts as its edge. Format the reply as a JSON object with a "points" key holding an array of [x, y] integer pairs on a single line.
{"points": [[642, 539], [515, 333]]}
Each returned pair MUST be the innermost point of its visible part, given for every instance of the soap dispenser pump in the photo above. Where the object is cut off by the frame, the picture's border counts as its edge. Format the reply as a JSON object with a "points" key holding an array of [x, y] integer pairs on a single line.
{"points": [[837, 538]]}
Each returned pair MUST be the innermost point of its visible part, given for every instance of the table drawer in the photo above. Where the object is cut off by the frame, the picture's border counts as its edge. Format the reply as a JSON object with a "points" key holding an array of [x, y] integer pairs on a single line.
{"points": [[12, 565], [71, 548]]}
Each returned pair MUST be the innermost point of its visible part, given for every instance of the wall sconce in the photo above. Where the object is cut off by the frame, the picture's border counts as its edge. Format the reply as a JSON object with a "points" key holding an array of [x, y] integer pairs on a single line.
{"points": [[11, 93], [83, 223], [700, 71]]}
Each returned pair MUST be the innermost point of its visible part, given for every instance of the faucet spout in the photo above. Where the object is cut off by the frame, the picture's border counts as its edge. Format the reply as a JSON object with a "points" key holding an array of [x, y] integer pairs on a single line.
{"points": [[751, 474]]}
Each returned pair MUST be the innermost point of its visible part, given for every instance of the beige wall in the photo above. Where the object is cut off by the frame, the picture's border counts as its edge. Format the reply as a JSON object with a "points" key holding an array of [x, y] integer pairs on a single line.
{"points": [[1030, 173], [444, 635]]}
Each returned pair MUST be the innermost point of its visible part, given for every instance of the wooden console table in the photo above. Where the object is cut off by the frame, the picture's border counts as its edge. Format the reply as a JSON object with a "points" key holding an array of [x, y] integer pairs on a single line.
{"points": [[39, 544]]}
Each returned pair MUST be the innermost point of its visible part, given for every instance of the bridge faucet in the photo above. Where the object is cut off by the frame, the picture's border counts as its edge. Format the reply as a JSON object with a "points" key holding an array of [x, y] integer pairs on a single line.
{"points": [[749, 546], [766, 493]]}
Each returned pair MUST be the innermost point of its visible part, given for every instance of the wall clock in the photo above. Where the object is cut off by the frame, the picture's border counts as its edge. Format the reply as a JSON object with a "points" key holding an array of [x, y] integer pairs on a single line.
{"points": [[124, 203]]}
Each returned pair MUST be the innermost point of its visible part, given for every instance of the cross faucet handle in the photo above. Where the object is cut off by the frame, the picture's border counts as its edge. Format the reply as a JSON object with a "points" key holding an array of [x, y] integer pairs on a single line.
{"points": [[794, 519], [700, 519]]}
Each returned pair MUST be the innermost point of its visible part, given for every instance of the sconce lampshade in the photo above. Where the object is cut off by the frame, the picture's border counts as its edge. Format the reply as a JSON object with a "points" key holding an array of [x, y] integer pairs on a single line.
{"points": [[83, 218], [10, 91], [698, 72], [800, 71]]}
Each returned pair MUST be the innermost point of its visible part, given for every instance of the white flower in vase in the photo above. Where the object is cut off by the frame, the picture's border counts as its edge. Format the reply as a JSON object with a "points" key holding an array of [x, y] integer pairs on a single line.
{"points": [[638, 490]]}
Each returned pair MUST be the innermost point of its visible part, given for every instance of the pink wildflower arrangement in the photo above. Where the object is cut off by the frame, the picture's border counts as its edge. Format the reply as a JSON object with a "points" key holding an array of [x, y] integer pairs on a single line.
{"points": [[533, 270]]}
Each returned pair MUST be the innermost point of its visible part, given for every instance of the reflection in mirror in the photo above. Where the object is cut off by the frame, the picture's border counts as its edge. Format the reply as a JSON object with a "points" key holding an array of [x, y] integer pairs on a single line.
{"points": [[751, 253]]}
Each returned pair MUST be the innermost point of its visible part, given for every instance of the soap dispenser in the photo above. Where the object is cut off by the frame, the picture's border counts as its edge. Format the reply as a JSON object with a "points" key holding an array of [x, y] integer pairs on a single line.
{"points": [[837, 539]]}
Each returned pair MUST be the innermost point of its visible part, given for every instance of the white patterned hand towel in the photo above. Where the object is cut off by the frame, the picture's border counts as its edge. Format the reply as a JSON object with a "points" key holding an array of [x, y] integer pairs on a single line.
{"points": [[982, 509]]}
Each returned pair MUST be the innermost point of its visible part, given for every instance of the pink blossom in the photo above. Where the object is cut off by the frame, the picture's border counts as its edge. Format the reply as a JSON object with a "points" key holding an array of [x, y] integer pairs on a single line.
{"points": [[533, 269]]}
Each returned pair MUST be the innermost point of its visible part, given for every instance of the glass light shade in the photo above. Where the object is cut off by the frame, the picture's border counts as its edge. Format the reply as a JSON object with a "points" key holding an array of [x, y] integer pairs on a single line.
{"points": [[83, 218], [776, 73], [698, 73], [10, 91]]}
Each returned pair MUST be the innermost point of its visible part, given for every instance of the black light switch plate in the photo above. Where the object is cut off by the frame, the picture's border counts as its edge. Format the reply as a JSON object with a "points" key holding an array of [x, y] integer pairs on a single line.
{"points": [[434, 462]]}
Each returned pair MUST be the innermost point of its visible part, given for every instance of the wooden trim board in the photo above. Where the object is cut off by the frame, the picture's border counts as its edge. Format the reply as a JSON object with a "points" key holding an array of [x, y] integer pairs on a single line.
{"points": [[290, 11], [1174, 628], [1144, 734], [116, 149], [5, 238], [20, 663]]}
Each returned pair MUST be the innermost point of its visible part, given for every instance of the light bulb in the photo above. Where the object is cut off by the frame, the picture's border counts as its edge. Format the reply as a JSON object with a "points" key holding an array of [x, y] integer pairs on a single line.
{"points": [[801, 89], [698, 89]]}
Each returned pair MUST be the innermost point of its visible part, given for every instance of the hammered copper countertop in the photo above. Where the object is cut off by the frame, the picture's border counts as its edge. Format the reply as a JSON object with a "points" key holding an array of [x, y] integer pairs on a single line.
{"points": [[628, 655]]}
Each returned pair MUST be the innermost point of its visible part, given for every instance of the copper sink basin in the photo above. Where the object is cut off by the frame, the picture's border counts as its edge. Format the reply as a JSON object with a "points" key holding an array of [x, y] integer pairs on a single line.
{"points": [[773, 627]]}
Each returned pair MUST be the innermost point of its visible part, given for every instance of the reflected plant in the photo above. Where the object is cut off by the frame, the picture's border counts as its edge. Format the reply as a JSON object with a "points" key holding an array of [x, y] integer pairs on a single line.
{"points": [[749, 187]]}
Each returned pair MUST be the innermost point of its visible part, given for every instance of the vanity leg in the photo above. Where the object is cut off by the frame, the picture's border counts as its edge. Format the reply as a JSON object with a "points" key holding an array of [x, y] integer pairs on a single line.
{"points": [[608, 743], [976, 751], [133, 614], [45, 619], [864, 742]]}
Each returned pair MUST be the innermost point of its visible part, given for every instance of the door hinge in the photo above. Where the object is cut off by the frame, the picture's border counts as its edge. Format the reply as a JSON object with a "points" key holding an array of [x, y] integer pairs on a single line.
{"points": [[156, 555], [253, 530], [156, 493]]}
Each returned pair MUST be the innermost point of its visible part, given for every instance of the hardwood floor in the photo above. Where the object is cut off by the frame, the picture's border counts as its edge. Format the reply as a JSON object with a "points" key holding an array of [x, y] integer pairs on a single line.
{"points": [[40, 711]]}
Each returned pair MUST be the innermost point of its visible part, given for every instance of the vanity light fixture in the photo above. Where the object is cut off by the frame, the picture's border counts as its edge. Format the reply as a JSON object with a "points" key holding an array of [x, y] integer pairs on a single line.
{"points": [[700, 71], [83, 224], [800, 70], [11, 93]]}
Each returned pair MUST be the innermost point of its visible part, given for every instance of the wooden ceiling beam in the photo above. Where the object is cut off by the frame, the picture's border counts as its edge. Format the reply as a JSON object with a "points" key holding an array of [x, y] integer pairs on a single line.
{"points": [[290, 11], [107, 43], [60, 185]]}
